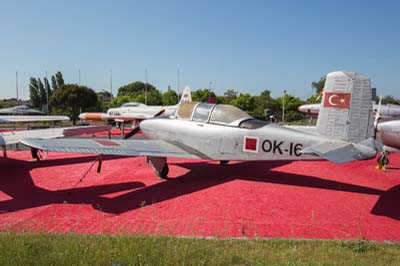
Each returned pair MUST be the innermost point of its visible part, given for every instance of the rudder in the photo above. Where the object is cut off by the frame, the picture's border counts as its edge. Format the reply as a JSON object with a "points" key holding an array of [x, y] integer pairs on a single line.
{"points": [[346, 108]]}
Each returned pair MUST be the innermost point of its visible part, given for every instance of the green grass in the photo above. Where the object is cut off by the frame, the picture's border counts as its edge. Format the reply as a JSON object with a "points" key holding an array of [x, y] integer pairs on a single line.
{"points": [[70, 249]]}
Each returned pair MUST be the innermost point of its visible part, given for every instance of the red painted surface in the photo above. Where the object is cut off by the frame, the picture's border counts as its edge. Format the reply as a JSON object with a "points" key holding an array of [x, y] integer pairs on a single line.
{"points": [[203, 198], [251, 144], [337, 100]]}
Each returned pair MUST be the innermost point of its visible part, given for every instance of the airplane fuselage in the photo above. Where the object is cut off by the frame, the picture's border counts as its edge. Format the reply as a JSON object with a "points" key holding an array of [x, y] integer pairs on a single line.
{"points": [[139, 113], [221, 142]]}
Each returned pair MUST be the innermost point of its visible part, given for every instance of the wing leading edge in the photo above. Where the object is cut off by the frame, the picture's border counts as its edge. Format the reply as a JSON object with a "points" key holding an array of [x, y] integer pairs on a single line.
{"points": [[133, 147]]}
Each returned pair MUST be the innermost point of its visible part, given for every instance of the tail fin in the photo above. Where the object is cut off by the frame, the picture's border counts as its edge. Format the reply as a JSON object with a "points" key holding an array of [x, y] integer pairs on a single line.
{"points": [[186, 95], [346, 108]]}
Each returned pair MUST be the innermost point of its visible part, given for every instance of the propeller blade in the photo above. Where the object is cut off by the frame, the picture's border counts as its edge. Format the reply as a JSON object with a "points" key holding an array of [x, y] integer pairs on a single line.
{"points": [[159, 113], [378, 113], [132, 132]]}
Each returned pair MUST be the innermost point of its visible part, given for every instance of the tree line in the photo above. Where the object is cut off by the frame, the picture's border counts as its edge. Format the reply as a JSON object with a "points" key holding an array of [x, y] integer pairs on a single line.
{"points": [[72, 99]]}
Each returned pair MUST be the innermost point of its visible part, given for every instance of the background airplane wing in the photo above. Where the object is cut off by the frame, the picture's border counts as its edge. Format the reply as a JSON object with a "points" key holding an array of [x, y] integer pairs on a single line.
{"points": [[132, 147], [342, 152], [14, 137], [32, 118]]}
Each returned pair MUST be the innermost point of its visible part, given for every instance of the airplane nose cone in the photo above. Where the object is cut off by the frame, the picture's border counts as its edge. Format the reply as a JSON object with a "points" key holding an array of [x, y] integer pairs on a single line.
{"points": [[82, 116]]}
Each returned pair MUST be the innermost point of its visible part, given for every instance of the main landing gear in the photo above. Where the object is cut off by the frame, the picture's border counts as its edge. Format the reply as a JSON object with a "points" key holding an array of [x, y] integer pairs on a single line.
{"points": [[38, 154], [159, 165]]}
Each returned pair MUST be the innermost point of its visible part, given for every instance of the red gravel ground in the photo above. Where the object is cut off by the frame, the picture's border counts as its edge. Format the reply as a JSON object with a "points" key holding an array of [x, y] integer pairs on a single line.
{"points": [[202, 198]]}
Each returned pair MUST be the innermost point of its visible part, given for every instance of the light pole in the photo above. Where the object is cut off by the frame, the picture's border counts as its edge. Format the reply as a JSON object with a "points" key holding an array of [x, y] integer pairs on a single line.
{"points": [[111, 84], [145, 89], [16, 85], [209, 90], [283, 106], [47, 93]]}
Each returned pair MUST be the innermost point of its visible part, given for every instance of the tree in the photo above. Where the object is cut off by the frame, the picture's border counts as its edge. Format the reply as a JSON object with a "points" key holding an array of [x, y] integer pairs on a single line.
{"points": [[120, 100], [57, 80], [103, 100], [291, 105], [54, 83], [72, 99], [153, 97], [170, 97], [47, 87], [227, 98], [135, 88], [318, 86], [34, 93], [263, 106], [42, 94], [202, 95], [245, 102], [388, 99]]}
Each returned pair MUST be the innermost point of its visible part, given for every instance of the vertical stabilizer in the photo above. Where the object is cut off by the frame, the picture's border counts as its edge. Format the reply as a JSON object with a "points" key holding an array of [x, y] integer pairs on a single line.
{"points": [[346, 108], [186, 95]]}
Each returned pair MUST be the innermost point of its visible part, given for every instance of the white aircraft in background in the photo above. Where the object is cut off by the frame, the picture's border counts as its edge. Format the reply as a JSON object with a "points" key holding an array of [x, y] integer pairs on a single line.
{"points": [[344, 132], [25, 114], [32, 118], [135, 112], [20, 110]]}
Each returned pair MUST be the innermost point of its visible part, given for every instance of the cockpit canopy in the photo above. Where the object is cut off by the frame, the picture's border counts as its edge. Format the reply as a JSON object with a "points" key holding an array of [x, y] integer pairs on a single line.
{"points": [[212, 113], [132, 104]]}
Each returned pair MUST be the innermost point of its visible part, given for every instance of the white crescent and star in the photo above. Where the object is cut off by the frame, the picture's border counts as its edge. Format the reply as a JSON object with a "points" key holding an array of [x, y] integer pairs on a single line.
{"points": [[330, 99]]}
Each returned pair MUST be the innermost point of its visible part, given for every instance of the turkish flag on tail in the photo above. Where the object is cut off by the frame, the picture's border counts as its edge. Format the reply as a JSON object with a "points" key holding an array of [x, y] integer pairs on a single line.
{"points": [[337, 100]]}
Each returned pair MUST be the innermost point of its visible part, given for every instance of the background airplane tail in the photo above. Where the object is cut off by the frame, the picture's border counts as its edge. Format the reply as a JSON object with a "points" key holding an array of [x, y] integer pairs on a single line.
{"points": [[186, 95], [346, 108]]}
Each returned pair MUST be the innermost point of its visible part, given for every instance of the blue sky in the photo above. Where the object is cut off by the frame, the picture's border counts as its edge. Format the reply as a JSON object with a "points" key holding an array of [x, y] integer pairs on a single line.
{"points": [[247, 46]]}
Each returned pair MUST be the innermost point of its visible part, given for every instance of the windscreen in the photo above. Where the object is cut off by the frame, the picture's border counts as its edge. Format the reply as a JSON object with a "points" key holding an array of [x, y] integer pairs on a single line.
{"points": [[202, 112], [185, 110], [226, 114]]}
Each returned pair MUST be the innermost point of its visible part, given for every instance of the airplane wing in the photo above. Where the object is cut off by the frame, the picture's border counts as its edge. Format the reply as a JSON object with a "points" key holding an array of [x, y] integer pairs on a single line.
{"points": [[14, 137], [343, 152], [132, 147], [32, 118]]}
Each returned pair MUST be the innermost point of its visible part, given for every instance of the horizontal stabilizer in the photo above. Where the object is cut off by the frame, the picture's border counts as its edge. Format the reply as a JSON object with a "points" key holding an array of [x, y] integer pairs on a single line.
{"points": [[343, 152]]}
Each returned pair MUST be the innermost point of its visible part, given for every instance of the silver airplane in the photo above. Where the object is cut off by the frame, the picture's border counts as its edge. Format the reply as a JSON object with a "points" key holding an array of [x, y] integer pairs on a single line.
{"points": [[135, 112], [25, 114], [20, 110], [344, 132]]}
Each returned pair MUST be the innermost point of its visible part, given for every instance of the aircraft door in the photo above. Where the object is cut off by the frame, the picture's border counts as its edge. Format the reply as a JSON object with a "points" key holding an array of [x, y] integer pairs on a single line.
{"points": [[229, 145]]}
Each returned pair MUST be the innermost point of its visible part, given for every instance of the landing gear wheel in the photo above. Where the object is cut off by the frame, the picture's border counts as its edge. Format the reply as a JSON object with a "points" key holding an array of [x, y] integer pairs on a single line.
{"points": [[160, 166], [164, 172], [38, 154]]}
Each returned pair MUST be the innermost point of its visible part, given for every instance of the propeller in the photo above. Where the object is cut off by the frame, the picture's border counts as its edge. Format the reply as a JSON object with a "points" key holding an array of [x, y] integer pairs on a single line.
{"points": [[132, 132], [377, 115], [137, 129]]}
